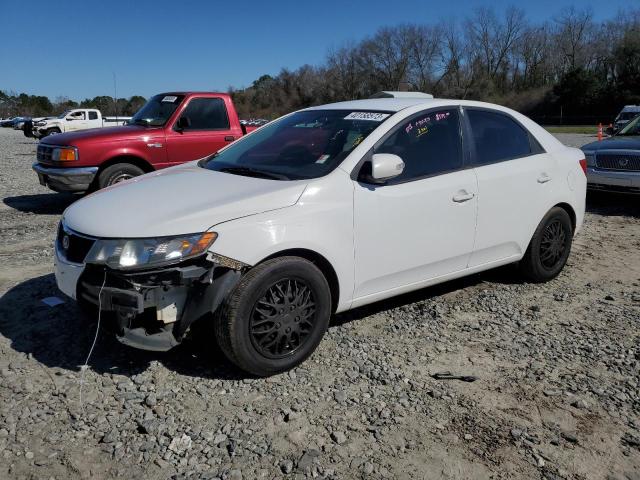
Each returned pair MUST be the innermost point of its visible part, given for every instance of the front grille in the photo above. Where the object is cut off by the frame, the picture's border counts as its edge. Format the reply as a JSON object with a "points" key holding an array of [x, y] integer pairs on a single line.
{"points": [[44, 153], [76, 248], [618, 161]]}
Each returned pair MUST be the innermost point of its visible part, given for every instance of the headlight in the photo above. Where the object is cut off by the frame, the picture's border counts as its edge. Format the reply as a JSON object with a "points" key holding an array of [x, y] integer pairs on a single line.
{"points": [[142, 252], [591, 159], [64, 154]]}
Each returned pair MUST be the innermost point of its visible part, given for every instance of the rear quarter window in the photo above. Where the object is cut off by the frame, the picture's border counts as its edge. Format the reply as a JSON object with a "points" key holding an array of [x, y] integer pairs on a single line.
{"points": [[498, 137]]}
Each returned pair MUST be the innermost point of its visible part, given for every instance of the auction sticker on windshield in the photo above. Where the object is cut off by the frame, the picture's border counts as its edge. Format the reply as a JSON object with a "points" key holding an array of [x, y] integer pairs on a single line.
{"points": [[170, 98], [371, 116]]}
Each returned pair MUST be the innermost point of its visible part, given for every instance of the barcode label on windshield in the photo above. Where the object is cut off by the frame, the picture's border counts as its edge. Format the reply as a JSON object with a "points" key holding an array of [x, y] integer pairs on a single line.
{"points": [[170, 98], [371, 116]]}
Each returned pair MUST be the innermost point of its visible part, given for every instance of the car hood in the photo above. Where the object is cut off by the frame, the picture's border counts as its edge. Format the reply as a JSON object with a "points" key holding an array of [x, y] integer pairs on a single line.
{"points": [[106, 134], [614, 143], [175, 201]]}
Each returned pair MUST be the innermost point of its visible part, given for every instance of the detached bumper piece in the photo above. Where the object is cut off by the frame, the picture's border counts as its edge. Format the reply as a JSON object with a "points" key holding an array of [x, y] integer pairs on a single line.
{"points": [[154, 309]]}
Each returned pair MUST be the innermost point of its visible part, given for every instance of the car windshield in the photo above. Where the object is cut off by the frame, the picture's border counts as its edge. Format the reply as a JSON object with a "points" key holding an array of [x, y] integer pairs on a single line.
{"points": [[64, 114], [631, 128], [303, 145], [627, 115], [157, 110]]}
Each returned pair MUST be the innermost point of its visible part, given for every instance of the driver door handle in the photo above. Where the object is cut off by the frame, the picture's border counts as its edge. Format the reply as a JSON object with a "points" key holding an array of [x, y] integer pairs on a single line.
{"points": [[462, 196]]}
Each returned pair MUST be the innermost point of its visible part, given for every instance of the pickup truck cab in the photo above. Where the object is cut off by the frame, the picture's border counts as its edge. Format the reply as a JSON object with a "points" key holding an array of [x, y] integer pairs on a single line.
{"points": [[74, 120], [170, 129]]}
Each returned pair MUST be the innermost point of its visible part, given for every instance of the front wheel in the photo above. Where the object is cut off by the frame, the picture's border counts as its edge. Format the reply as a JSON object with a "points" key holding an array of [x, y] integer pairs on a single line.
{"points": [[51, 131], [275, 317], [549, 248], [118, 173]]}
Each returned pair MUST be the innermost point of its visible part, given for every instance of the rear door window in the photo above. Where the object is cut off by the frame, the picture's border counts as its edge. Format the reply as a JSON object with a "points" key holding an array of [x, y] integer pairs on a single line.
{"points": [[93, 115], [498, 137], [207, 114]]}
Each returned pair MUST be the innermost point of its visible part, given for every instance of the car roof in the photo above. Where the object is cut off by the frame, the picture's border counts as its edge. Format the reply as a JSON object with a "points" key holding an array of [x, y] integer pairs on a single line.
{"points": [[393, 105], [398, 104], [192, 93], [631, 108]]}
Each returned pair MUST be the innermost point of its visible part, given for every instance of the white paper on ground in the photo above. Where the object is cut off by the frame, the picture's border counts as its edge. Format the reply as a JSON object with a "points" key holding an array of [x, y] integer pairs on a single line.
{"points": [[52, 301]]}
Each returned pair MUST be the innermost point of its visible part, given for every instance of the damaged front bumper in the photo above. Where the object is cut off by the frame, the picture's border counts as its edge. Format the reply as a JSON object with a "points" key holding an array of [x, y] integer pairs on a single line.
{"points": [[154, 309]]}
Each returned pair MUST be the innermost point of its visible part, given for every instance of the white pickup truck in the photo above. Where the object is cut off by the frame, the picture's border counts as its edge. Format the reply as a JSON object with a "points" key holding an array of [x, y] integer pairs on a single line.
{"points": [[76, 119]]}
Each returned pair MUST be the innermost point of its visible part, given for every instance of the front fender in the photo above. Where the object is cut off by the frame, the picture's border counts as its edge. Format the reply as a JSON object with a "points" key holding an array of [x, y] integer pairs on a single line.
{"points": [[107, 151], [321, 221]]}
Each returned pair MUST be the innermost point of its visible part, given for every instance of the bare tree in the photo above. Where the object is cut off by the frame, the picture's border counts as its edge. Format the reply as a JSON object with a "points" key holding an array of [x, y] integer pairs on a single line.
{"points": [[384, 58], [574, 31], [425, 56]]}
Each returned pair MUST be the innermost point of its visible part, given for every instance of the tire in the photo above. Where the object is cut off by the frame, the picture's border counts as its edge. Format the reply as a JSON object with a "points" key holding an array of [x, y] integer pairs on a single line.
{"points": [[118, 173], [51, 131], [549, 247], [258, 336]]}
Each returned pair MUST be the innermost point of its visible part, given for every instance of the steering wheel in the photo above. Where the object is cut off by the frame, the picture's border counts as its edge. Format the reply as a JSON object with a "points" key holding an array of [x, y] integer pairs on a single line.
{"points": [[296, 155]]}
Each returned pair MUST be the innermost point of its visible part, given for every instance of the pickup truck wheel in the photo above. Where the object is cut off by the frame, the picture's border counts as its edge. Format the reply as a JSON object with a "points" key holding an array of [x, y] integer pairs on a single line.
{"points": [[549, 248], [52, 131], [118, 173], [275, 317]]}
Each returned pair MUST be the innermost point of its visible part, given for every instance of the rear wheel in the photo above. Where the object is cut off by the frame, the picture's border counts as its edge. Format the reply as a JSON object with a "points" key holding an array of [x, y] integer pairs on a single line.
{"points": [[275, 317], [549, 248], [118, 173]]}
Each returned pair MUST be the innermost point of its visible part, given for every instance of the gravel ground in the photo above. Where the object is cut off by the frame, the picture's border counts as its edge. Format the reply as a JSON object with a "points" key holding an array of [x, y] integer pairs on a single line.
{"points": [[557, 395]]}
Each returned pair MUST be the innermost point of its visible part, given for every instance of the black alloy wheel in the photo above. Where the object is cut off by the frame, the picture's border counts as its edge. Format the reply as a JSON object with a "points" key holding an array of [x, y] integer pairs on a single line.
{"points": [[275, 317], [553, 244], [549, 248], [283, 318]]}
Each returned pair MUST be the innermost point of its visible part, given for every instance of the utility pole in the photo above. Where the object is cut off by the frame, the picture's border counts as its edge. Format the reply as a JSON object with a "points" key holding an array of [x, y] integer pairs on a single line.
{"points": [[115, 95]]}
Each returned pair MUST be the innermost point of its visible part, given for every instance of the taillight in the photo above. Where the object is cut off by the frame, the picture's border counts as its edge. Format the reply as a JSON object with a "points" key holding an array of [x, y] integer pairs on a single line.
{"points": [[583, 164]]}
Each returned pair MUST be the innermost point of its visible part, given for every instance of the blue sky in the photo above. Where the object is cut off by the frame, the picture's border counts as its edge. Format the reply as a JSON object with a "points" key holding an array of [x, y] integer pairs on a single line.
{"points": [[71, 47]]}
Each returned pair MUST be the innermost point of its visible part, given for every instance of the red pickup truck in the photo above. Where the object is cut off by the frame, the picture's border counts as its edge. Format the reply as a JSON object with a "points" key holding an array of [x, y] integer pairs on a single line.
{"points": [[170, 129]]}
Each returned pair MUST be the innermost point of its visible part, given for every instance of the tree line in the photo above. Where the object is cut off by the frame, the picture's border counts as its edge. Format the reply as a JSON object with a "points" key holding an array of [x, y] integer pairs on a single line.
{"points": [[567, 69], [12, 104]]}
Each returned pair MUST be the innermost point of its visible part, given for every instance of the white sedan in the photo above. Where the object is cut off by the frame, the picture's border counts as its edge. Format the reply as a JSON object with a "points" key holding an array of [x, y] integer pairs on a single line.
{"points": [[321, 211]]}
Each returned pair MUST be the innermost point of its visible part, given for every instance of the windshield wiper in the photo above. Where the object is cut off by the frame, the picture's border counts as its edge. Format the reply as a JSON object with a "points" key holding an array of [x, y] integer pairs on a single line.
{"points": [[252, 172], [139, 121]]}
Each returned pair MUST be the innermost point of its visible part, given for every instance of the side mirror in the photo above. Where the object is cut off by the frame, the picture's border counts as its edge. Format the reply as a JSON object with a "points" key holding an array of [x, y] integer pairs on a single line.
{"points": [[182, 123], [609, 130], [385, 166], [68, 119]]}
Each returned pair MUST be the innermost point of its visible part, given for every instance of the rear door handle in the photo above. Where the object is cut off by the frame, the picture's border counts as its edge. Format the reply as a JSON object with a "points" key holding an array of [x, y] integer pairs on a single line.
{"points": [[543, 178], [462, 196]]}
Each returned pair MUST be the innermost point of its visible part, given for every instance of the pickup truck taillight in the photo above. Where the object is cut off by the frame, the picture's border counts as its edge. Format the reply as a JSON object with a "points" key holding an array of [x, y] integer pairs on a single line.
{"points": [[583, 164]]}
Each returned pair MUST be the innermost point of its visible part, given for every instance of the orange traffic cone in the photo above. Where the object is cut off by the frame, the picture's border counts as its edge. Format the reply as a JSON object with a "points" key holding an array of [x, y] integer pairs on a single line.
{"points": [[599, 131]]}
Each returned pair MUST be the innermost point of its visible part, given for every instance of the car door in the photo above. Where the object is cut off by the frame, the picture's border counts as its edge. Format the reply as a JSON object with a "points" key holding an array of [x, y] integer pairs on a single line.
{"points": [[515, 180], [208, 130], [421, 224], [94, 121], [76, 120]]}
